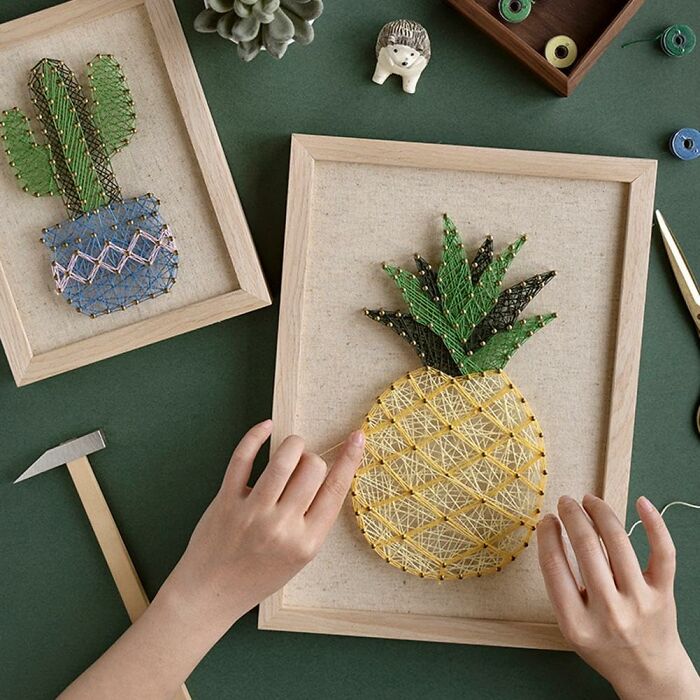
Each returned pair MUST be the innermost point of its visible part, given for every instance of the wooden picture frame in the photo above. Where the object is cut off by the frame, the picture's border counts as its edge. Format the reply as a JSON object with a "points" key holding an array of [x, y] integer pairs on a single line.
{"points": [[174, 101], [592, 25], [311, 360]]}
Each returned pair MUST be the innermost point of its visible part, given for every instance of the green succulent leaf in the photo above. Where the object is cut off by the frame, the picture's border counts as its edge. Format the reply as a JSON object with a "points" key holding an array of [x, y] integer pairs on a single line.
{"points": [[248, 50], [206, 21], [309, 10], [221, 5], [245, 29]]}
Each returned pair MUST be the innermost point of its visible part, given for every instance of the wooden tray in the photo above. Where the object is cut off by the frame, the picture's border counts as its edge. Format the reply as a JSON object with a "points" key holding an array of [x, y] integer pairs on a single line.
{"points": [[592, 24]]}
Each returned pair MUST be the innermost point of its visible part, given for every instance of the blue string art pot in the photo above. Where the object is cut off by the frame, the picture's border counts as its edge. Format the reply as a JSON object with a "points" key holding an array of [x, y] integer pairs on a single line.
{"points": [[113, 257]]}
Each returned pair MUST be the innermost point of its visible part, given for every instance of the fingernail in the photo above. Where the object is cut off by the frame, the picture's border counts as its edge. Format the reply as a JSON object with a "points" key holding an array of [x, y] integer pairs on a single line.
{"points": [[645, 504], [590, 496], [266, 423], [566, 499], [357, 438], [550, 517]]}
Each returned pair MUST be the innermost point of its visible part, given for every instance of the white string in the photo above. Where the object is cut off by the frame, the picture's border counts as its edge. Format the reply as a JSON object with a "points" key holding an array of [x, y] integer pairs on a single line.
{"points": [[664, 509]]}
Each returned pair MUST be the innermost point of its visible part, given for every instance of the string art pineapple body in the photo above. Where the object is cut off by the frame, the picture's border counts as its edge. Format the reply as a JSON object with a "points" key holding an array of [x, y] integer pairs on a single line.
{"points": [[454, 470]]}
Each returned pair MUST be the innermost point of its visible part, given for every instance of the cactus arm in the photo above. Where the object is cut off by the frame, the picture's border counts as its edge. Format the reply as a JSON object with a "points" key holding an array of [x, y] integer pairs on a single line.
{"points": [[113, 107], [30, 161]]}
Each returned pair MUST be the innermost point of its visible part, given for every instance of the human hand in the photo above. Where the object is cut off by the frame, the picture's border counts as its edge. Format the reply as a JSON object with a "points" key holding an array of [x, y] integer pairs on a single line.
{"points": [[251, 541], [248, 543], [623, 622]]}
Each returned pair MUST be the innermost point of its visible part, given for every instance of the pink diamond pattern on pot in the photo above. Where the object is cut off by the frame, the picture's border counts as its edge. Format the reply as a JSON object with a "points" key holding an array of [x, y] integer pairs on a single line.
{"points": [[63, 275]]}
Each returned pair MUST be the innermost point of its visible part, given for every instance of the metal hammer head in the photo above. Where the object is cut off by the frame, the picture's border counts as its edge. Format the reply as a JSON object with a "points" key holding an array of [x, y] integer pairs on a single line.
{"points": [[64, 453]]}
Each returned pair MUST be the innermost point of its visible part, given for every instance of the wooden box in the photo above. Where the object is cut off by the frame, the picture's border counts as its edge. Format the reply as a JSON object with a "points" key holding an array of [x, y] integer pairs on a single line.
{"points": [[592, 24]]}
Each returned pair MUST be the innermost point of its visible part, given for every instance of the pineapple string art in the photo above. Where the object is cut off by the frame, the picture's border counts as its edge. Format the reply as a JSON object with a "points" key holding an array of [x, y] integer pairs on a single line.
{"points": [[454, 470]]}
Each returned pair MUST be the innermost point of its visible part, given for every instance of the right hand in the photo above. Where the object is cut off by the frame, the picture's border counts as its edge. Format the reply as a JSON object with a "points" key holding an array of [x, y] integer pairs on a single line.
{"points": [[623, 622]]}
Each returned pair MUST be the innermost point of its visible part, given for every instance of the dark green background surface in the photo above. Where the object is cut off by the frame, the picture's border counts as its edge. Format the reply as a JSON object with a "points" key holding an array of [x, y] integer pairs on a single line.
{"points": [[173, 411]]}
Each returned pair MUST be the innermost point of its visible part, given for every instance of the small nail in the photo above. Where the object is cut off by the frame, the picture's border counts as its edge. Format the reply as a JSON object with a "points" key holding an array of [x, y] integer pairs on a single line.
{"points": [[266, 423], [565, 500], [646, 505], [357, 438]]}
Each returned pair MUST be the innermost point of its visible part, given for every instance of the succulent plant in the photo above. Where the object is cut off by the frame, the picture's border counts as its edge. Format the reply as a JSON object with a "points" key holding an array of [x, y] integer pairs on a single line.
{"points": [[256, 24]]}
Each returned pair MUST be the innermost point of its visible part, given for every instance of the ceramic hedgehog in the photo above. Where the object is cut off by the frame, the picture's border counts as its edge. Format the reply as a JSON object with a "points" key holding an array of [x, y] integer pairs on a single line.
{"points": [[403, 48]]}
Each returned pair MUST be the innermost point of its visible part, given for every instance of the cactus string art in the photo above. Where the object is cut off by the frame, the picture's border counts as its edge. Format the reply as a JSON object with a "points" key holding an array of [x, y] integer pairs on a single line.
{"points": [[111, 253]]}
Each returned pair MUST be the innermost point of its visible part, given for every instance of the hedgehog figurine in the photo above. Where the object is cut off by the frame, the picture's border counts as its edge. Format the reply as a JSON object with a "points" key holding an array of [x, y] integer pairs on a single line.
{"points": [[403, 48]]}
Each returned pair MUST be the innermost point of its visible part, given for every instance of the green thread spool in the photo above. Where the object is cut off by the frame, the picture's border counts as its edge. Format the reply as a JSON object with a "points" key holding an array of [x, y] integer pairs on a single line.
{"points": [[515, 11], [678, 40]]}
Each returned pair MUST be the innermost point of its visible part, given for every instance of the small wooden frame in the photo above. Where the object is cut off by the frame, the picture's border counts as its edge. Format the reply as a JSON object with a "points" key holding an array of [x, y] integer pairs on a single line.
{"points": [[592, 24], [354, 203], [175, 153]]}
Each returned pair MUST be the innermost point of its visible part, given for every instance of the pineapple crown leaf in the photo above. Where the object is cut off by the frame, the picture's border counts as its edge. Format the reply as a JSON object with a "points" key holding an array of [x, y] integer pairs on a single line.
{"points": [[459, 320]]}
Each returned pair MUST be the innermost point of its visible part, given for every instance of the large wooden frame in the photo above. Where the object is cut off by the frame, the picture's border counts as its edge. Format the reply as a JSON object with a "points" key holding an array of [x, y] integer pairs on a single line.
{"points": [[246, 288], [636, 182]]}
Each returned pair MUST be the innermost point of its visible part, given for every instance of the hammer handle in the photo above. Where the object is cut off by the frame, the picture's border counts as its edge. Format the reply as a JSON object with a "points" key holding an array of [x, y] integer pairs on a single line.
{"points": [[108, 537], [111, 544]]}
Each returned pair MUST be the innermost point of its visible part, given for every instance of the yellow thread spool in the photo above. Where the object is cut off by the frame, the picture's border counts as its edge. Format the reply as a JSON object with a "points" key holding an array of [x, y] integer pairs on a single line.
{"points": [[561, 51]]}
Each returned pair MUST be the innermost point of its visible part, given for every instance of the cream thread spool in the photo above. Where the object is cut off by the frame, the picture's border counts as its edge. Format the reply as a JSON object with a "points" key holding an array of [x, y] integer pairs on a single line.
{"points": [[561, 51]]}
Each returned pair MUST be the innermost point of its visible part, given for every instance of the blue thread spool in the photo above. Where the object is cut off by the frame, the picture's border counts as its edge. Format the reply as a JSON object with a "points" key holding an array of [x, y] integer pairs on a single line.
{"points": [[685, 144], [514, 11]]}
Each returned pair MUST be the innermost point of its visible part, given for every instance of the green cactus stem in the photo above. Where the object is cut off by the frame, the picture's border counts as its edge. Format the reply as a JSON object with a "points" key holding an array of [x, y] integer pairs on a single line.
{"points": [[80, 134]]}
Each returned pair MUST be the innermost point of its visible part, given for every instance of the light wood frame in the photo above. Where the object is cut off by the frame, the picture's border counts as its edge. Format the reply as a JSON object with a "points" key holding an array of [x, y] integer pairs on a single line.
{"points": [[252, 293], [639, 175]]}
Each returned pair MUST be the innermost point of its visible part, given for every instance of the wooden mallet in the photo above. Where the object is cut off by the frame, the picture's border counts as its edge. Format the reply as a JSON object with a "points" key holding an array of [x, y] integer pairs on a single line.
{"points": [[74, 455]]}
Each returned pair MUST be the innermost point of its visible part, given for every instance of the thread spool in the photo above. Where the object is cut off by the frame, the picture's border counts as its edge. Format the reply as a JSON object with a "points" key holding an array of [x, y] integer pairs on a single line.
{"points": [[678, 40], [685, 144], [514, 11], [561, 51]]}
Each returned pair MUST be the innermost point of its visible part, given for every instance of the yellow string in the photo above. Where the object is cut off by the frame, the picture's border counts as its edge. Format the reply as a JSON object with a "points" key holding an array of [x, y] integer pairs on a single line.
{"points": [[453, 476]]}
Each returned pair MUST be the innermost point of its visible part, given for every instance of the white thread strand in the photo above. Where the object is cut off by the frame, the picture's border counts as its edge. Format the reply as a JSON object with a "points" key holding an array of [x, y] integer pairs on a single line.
{"points": [[663, 510]]}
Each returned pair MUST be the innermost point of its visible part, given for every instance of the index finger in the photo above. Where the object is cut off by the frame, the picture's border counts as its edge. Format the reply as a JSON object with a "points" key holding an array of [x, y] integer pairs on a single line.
{"points": [[330, 496]]}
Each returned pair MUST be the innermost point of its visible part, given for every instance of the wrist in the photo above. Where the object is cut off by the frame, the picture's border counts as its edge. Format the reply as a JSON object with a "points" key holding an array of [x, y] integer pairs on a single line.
{"points": [[198, 602], [671, 676]]}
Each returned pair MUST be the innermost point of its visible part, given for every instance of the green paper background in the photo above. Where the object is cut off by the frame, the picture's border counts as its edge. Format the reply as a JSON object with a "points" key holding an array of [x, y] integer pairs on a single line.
{"points": [[173, 411]]}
